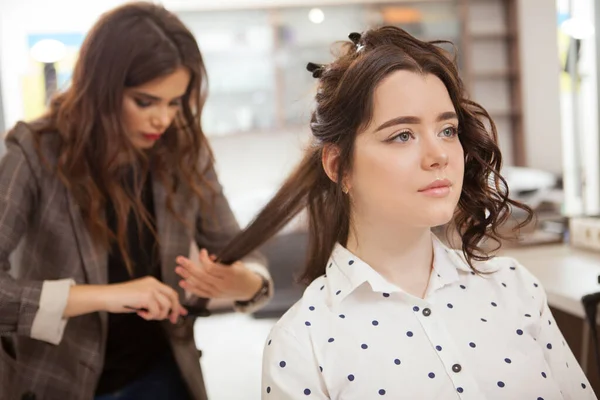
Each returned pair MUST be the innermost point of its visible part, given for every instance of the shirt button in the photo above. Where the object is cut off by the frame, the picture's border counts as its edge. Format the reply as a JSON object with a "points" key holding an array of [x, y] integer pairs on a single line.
{"points": [[456, 368], [426, 312]]}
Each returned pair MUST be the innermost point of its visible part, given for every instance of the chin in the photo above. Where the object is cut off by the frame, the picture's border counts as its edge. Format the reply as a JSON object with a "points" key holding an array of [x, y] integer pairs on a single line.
{"points": [[437, 222], [144, 145], [439, 217]]}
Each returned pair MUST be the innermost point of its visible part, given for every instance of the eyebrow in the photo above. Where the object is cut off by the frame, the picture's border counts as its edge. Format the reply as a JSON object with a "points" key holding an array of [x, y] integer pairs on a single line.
{"points": [[445, 116], [154, 98]]}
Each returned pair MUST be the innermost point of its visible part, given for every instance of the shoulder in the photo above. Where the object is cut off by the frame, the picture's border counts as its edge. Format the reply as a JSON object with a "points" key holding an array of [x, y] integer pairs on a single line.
{"points": [[498, 269], [510, 266], [310, 311], [516, 278], [496, 266], [20, 135], [24, 138]]}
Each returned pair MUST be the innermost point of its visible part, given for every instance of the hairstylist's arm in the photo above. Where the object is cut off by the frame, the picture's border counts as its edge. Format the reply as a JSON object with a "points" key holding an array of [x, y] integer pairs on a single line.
{"points": [[212, 280], [150, 298], [216, 226], [27, 308], [40, 309]]}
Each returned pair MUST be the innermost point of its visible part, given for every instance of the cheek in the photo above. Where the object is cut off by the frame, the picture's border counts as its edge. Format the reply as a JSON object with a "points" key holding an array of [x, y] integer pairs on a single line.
{"points": [[131, 115], [457, 159], [383, 173]]}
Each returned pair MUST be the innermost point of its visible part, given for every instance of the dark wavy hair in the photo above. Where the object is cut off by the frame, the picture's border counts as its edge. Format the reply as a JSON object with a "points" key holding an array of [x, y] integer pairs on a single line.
{"points": [[344, 107], [127, 47]]}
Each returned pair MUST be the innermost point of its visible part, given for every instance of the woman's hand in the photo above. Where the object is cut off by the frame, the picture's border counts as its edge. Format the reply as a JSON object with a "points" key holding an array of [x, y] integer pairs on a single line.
{"points": [[150, 298], [213, 280]]}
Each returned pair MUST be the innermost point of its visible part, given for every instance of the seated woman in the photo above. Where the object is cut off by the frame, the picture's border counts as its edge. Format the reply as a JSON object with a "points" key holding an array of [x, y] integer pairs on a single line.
{"points": [[390, 311]]}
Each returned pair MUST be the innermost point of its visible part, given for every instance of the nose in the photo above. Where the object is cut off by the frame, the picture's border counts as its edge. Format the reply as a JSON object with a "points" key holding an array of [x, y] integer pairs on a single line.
{"points": [[162, 119], [435, 156]]}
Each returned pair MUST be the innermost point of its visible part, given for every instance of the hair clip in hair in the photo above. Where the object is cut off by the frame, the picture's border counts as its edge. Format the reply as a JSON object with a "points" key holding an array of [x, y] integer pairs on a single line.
{"points": [[355, 38], [316, 69]]}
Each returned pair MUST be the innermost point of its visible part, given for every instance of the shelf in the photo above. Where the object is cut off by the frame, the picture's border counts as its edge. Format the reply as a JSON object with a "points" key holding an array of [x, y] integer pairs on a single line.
{"points": [[485, 33]]}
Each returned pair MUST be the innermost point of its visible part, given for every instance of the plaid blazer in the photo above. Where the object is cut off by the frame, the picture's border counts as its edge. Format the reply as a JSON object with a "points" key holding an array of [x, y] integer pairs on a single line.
{"points": [[43, 238]]}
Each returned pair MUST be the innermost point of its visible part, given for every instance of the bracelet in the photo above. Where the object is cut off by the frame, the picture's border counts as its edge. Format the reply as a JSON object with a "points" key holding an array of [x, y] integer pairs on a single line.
{"points": [[260, 294]]}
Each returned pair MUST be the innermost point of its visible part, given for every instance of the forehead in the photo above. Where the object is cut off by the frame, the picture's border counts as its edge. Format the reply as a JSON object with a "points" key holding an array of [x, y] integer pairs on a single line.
{"points": [[171, 85], [406, 93]]}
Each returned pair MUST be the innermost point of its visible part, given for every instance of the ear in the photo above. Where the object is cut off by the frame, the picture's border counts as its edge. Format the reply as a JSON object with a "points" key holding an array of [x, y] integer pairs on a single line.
{"points": [[331, 161]]}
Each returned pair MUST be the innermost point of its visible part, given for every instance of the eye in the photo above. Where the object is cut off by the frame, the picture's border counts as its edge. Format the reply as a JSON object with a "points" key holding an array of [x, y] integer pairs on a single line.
{"points": [[143, 103], [175, 103], [402, 137], [449, 132]]}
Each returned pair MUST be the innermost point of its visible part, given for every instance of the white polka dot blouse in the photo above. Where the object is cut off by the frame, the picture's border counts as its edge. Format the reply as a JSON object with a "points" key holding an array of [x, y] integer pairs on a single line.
{"points": [[356, 336]]}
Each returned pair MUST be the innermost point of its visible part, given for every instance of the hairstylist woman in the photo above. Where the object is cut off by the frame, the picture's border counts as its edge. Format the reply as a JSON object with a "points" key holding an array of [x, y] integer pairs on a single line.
{"points": [[103, 194]]}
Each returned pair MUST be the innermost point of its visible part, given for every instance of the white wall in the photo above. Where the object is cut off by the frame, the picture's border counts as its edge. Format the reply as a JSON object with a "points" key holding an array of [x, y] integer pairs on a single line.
{"points": [[540, 80]]}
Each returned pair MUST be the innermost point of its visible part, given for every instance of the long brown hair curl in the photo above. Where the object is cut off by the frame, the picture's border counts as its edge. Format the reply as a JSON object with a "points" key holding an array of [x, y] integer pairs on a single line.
{"points": [[127, 47], [344, 107]]}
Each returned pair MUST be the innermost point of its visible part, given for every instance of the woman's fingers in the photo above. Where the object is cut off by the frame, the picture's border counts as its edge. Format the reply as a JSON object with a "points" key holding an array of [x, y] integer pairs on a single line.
{"points": [[198, 279], [199, 288], [152, 309], [175, 307]]}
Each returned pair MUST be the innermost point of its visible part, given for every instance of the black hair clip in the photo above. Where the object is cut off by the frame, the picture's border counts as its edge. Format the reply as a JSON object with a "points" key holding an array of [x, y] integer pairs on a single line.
{"points": [[316, 69], [355, 37]]}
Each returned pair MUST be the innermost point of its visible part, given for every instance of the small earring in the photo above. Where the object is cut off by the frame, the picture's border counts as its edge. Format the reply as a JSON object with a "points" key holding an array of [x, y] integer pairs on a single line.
{"points": [[344, 189]]}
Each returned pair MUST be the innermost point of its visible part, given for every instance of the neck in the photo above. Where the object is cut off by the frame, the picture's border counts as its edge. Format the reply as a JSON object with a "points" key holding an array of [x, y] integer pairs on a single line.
{"points": [[403, 255]]}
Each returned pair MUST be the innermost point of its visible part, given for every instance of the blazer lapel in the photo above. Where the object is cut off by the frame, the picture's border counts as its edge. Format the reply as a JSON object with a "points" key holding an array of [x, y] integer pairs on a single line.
{"points": [[93, 256], [169, 237]]}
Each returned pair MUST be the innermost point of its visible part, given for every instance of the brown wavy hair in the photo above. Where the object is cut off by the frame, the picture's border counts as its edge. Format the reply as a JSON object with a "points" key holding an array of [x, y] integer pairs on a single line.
{"points": [[127, 47], [344, 107]]}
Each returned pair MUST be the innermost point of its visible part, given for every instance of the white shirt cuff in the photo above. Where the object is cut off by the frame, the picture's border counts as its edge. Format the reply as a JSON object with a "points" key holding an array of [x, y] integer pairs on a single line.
{"points": [[48, 323]]}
